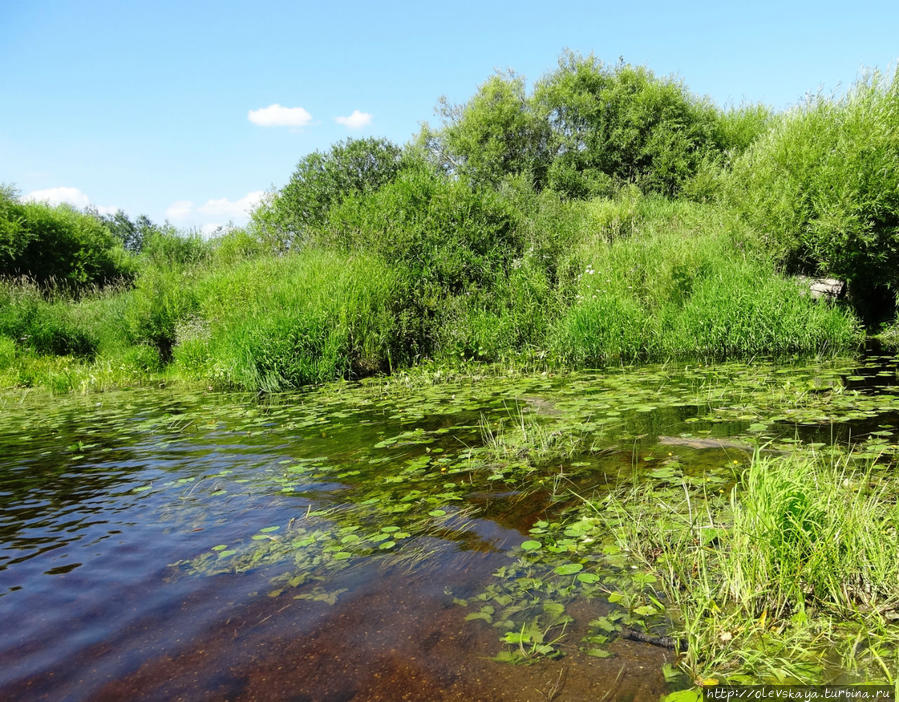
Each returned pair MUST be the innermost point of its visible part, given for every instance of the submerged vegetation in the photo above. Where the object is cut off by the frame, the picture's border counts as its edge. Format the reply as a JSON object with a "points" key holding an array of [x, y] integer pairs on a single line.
{"points": [[741, 518]]}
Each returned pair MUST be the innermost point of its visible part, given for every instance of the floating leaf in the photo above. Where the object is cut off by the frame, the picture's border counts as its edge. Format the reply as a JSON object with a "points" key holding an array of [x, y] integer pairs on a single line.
{"points": [[670, 672], [568, 569], [485, 616], [684, 696]]}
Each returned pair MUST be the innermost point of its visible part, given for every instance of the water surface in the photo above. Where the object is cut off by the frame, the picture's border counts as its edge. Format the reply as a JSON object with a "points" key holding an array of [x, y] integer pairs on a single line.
{"points": [[347, 543]]}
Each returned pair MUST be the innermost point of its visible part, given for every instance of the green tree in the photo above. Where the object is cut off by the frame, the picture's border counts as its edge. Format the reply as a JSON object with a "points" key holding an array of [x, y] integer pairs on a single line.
{"points": [[619, 125], [495, 134], [322, 180], [822, 186], [57, 245], [132, 233]]}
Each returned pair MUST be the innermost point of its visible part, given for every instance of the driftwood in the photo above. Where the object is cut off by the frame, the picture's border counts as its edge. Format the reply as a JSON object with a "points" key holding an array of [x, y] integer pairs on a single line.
{"points": [[660, 641]]}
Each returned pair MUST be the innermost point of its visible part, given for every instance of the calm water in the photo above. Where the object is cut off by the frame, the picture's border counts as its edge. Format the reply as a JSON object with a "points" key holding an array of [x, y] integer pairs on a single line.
{"points": [[328, 545]]}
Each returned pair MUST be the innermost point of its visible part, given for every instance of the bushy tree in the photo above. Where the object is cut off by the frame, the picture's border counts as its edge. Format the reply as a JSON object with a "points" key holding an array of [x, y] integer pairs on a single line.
{"points": [[496, 134], [622, 124], [443, 230], [57, 245], [132, 233], [322, 180], [823, 188], [446, 239]]}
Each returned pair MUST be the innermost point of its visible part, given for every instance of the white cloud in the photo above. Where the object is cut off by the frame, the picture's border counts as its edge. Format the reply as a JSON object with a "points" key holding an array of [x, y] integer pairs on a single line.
{"points": [[232, 209], [58, 196], [213, 213], [179, 210], [69, 196], [357, 120], [279, 116]]}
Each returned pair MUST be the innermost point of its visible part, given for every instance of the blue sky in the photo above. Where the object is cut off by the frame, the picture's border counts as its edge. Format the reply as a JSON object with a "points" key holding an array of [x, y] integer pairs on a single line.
{"points": [[146, 106]]}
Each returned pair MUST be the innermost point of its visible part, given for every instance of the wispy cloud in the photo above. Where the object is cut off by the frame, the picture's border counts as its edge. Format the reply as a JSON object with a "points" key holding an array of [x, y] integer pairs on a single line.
{"points": [[179, 210], [68, 196], [213, 213], [356, 120], [279, 116], [231, 209]]}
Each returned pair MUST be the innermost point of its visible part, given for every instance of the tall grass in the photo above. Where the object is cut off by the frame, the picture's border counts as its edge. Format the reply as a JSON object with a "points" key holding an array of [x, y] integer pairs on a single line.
{"points": [[666, 279], [40, 323], [796, 571], [285, 322], [49, 340]]}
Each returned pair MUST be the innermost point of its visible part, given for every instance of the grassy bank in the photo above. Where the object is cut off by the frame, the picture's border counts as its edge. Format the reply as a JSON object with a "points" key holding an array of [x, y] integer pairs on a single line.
{"points": [[688, 281], [606, 216], [791, 577], [568, 284]]}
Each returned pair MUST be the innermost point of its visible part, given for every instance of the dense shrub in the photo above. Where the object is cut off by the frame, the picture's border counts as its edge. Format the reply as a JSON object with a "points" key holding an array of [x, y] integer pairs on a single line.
{"points": [[822, 186], [57, 246], [168, 248], [237, 245], [445, 238], [510, 321], [738, 128], [445, 232], [160, 301]]}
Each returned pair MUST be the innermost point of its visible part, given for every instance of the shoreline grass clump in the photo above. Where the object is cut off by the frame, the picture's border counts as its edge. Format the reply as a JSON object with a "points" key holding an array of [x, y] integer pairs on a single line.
{"points": [[278, 323], [792, 578]]}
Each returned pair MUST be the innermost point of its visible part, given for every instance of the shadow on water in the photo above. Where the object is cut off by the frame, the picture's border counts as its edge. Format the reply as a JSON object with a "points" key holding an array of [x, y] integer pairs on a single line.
{"points": [[347, 543]]}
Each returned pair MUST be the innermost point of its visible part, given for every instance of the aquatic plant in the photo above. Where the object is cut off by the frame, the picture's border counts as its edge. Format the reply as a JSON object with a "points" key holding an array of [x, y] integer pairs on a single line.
{"points": [[792, 577]]}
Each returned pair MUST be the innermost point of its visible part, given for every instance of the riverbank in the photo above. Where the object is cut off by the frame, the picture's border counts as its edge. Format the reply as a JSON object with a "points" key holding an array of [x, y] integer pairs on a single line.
{"points": [[621, 281], [606, 217]]}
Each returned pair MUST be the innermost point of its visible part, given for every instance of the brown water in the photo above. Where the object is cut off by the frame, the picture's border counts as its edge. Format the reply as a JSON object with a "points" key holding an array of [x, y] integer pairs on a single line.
{"points": [[164, 545]]}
